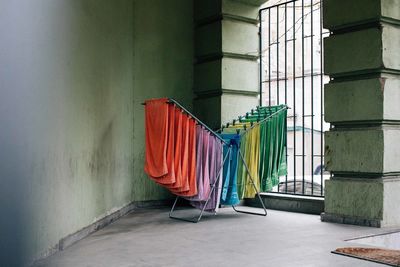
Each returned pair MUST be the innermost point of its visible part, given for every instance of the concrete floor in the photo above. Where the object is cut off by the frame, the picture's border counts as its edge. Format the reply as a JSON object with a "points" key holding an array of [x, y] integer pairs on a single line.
{"points": [[150, 238]]}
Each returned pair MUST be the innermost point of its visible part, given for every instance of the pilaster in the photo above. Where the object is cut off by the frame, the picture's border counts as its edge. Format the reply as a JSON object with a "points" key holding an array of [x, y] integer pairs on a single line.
{"points": [[362, 104], [226, 82]]}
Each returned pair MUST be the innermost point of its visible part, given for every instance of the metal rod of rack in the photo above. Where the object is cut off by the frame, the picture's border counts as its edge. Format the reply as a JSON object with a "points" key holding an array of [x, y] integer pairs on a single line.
{"points": [[255, 188], [173, 101], [213, 186], [197, 218], [265, 119]]}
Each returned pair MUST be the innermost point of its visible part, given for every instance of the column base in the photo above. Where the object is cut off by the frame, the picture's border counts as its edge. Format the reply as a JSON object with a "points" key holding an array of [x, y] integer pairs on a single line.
{"points": [[363, 201], [336, 218]]}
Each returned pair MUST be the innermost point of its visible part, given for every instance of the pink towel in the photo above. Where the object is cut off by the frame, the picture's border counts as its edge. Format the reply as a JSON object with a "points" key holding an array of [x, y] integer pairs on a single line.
{"points": [[215, 165]]}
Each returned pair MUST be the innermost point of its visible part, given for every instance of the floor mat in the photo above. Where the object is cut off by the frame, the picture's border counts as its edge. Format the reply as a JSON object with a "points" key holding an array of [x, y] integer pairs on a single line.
{"points": [[389, 240], [384, 256]]}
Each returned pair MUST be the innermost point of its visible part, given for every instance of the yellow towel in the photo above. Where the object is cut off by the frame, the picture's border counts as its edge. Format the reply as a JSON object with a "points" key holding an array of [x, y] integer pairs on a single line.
{"points": [[252, 157]]}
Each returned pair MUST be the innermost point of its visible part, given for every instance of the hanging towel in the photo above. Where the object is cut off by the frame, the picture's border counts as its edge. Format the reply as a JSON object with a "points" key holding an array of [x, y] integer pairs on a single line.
{"points": [[212, 174], [264, 156], [189, 160], [185, 153], [184, 156], [202, 166], [252, 160], [230, 185], [206, 163], [241, 172], [215, 173], [274, 157], [218, 175], [226, 170], [177, 151], [192, 158], [169, 178], [282, 127], [201, 194], [189, 171], [219, 172], [156, 128], [204, 194], [247, 157]]}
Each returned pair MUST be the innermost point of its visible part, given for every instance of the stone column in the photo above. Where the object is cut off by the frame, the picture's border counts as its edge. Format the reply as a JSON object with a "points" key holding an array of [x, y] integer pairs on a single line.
{"points": [[226, 76], [362, 102]]}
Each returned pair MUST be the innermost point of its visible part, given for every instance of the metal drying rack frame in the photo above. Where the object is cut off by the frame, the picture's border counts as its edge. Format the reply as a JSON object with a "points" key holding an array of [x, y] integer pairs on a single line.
{"points": [[197, 218], [246, 130], [284, 107]]}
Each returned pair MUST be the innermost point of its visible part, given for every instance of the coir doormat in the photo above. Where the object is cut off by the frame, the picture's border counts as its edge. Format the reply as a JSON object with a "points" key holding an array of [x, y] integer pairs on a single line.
{"points": [[384, 256]]}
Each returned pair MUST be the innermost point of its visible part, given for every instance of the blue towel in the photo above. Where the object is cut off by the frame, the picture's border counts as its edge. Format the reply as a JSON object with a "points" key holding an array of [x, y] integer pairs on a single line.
{"points": [[229, 194], [226, 174]]}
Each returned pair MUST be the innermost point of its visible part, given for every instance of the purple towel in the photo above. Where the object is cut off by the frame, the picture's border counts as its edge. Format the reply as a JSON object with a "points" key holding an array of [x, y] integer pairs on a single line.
{"points": [[218, 163], [199, 164], [206, 163], [215, 164], [203, 184], [212, 163], [216, 171]]}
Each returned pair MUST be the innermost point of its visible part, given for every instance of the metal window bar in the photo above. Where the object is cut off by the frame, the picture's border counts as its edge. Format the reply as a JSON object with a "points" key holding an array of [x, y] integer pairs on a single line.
{"points": [[295, 35], [286, 41], [322, 89]]}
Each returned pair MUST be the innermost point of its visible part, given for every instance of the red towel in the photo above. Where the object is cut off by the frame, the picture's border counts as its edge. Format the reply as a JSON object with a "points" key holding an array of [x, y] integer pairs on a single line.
{"points": [[156, 113]]}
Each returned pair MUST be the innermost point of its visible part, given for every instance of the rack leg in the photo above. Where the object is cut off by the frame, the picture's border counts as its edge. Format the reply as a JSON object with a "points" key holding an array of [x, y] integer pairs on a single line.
{"points": [[255, 188], [196, 220]]}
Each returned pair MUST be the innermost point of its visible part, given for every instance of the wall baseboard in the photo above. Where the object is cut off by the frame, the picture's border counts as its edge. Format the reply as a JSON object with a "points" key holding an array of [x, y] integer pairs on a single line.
{"points": [[71, 239], [342, 219], [291, 203], [75, 237]]}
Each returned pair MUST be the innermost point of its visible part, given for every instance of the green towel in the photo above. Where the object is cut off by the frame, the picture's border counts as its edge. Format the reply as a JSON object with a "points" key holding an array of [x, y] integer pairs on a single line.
{"points": [[263, 147]]}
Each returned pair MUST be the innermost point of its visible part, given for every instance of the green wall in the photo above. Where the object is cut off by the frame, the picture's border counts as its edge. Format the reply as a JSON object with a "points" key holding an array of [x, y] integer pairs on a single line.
{"points": [[72, 77], [163, 60]]}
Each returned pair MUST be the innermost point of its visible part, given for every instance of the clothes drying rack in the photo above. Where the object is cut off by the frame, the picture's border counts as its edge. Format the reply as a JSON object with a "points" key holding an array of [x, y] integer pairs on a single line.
{"points": [[197, 218]]}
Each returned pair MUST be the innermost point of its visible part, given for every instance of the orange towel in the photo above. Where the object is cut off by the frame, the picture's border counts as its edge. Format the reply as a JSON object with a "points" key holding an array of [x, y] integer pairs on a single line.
{"points": [[170, 147], [177, 151], [170, 177], [185, 153], [156, 112], [189, 161], [184, 149], [192, 160]]}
